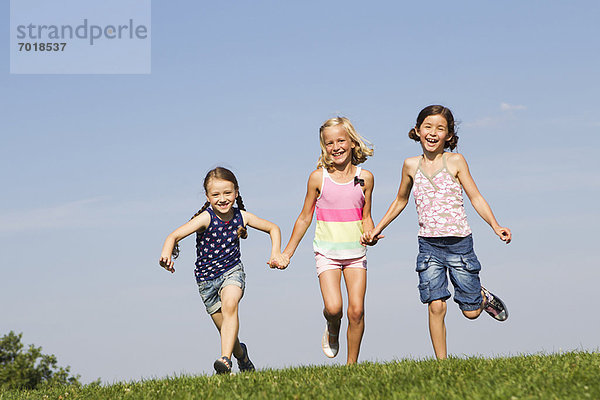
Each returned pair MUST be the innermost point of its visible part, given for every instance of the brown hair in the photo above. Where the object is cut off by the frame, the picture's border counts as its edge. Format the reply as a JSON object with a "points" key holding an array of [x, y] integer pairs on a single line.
{"points": [[225, 175], [362, 147], [436, 110]]}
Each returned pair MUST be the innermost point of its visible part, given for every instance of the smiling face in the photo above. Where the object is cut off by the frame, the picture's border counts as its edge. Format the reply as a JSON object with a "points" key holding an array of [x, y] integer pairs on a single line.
{"points": [[338, 144], [221, 195], [433, 133]]}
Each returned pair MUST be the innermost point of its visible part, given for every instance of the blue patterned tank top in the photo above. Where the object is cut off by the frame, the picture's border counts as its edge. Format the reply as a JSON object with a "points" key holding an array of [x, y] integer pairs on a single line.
{"points": [[218, 247]]}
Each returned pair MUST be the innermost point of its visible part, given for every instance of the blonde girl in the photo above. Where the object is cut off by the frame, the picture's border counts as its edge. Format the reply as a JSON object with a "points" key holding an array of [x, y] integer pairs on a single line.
{"points": [[340, 191]]}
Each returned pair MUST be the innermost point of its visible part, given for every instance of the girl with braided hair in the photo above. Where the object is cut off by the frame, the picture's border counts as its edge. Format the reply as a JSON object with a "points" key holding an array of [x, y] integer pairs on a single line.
{"points": [[219, 271]]}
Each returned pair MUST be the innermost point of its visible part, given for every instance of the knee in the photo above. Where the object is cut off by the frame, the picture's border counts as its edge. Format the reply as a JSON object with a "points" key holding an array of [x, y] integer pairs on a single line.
{"points": [[438, 308], [356, 314], [229, 306], [333, 311], [472, 314]]}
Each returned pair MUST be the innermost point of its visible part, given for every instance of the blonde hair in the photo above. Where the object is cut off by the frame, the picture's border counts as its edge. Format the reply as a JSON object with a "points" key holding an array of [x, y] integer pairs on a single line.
{"points": [[362, 147]]}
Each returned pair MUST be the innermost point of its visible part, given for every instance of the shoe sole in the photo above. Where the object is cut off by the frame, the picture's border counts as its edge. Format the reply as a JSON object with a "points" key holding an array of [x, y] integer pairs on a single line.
{"points": [[221, 367], [503, 316]]}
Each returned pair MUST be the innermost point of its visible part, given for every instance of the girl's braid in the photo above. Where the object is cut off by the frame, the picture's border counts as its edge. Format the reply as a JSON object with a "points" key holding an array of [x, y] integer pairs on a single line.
{"points": [[242, 231], [200, 211]]}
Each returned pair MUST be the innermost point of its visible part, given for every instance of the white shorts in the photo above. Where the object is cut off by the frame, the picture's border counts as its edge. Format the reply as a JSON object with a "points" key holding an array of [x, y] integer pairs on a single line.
{"points": [[325, 263]]}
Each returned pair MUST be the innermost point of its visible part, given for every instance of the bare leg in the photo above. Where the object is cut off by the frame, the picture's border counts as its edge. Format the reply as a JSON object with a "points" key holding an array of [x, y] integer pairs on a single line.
{"points": [[227, 321], [437, 328], [332, 301], [218, 320], [356, 284]]}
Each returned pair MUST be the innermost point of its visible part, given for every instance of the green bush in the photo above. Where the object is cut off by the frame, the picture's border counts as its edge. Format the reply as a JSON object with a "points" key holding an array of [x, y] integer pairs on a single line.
{"points": [[29, 369]]}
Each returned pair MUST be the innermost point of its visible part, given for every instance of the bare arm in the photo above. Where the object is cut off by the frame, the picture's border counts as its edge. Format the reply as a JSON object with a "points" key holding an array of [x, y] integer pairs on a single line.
{"points": [[367, 220], [458, 163], [275, 234], [397, 205], [197, 223], [305, 218]]}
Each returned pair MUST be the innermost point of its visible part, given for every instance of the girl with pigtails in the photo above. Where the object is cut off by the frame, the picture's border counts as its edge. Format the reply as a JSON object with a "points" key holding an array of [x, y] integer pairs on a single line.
{"points": [[219, 271], [437, 179]]}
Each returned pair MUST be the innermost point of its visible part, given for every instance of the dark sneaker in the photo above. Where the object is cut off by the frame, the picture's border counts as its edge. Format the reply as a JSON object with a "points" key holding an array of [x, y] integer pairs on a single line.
{"points": [[494, 306], [223, 365], [244, 362]]}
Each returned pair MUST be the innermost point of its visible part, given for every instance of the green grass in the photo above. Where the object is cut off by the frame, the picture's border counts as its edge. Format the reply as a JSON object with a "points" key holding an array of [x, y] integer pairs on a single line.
{"points": [[574, 375]]}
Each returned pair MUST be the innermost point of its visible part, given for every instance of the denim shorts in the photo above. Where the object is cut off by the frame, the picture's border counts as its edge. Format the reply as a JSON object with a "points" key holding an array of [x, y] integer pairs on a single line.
{"points": [[455, 255], [210, 290]]}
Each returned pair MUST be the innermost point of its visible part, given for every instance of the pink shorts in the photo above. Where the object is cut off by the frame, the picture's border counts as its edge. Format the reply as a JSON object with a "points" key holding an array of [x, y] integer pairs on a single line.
{"points": [[324, 263]]}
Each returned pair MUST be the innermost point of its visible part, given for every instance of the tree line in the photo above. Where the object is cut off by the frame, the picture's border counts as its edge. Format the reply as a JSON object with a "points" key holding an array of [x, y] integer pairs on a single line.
{"points": [[29, 368]]}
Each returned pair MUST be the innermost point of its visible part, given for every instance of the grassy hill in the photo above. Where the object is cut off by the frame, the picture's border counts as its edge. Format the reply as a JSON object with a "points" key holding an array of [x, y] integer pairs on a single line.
{"points": [[574, 375]]}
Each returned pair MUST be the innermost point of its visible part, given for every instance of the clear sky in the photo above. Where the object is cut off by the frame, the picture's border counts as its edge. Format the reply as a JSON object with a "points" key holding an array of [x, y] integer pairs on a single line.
{"points": [[98, 169]]}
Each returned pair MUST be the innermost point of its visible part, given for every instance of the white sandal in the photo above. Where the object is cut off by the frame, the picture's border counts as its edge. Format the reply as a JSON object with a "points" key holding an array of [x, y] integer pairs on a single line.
{"points": [[329, 350]]}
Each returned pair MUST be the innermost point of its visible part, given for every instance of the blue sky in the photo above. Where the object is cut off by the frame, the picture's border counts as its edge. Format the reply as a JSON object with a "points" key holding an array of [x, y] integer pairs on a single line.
{"points": [[98, 169]]}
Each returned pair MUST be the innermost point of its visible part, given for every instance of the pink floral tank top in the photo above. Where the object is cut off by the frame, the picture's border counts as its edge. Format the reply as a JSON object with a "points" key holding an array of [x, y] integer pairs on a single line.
{"points": [[439, 204]]}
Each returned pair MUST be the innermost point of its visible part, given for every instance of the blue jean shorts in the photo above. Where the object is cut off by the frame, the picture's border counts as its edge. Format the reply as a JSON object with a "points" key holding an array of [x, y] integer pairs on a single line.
{"points": [[210, 290], [455, 255]]}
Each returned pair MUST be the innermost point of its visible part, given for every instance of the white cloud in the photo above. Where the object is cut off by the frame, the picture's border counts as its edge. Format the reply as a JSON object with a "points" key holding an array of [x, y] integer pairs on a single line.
{"points": [[498, 119], [511, 107], [483, 122]]}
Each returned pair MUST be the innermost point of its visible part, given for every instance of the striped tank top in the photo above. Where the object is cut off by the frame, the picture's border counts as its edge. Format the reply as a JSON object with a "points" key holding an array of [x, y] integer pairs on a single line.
{"points": [[439, 203], [339, 219]]}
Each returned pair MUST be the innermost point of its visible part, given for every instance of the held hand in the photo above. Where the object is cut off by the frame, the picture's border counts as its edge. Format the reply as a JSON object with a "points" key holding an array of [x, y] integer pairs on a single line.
{"points": [[370, 238], [279, 261], [285, 261], [504, 234], [167, 263], [272, 263]]}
